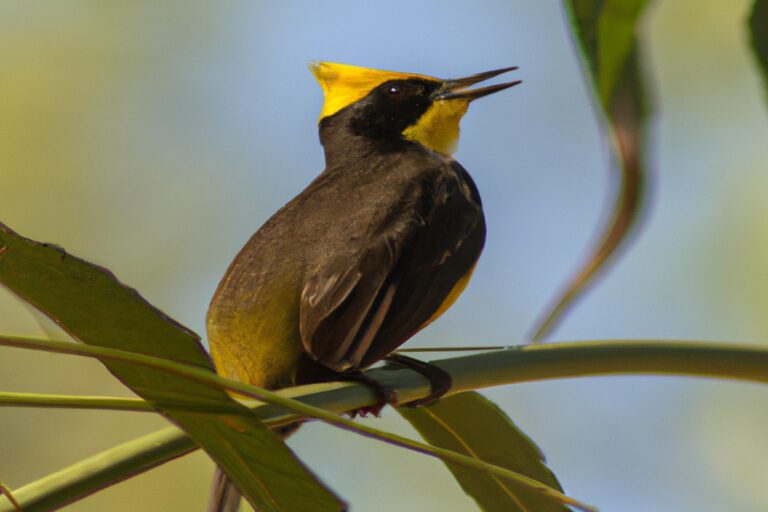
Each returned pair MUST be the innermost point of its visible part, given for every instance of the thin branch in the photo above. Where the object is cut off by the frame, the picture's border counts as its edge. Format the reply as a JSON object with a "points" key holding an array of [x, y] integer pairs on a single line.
{"points": [[44, 400], [454, 349], [477, 371], [111, 403]]}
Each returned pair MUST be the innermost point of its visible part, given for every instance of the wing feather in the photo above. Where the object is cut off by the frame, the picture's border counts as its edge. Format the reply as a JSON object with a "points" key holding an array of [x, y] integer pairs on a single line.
{"points": [[362, 304]]}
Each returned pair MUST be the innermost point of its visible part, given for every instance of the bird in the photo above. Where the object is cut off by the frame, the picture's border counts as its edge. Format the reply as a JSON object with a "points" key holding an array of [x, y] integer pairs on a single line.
{"points": [[379, 245]]}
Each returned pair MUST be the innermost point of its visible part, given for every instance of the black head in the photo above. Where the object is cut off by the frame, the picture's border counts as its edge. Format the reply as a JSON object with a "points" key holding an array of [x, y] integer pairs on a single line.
{"points": [[390, 108]]}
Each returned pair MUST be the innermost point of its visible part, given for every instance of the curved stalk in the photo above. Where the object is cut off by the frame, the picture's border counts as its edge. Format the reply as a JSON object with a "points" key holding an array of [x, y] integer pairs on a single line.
{"points": [[44, 400], [104, 403]]}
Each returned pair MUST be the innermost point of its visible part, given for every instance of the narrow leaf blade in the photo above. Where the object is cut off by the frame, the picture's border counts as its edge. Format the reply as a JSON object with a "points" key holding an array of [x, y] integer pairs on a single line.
{"points": [[90, 304], [604, 31], [758, 30], [471, 424]]}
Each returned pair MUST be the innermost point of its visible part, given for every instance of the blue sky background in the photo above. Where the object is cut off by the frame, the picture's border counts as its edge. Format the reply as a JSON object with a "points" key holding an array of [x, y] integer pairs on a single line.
{"points": [[154, 138]]}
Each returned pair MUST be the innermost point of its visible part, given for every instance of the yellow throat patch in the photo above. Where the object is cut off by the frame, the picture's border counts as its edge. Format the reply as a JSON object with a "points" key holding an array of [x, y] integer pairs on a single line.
{"points": [[343, 85]]}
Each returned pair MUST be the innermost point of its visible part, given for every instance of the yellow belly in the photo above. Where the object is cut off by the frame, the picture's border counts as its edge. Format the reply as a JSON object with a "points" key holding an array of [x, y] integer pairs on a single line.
{"points": [[258, 344]]}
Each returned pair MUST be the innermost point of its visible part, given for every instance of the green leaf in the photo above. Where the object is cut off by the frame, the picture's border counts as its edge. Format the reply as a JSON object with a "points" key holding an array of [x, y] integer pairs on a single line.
{"points": [[90, 304], [471, 424], [758, 29], [605, 33]]}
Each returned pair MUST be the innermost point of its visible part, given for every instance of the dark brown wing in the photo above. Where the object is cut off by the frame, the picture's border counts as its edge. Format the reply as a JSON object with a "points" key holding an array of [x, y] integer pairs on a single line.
{"points": [[364, 302]]}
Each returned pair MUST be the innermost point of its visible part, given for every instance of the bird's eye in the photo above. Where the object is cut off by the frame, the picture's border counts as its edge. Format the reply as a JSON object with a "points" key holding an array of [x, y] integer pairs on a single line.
{"points": [[393, 90]]}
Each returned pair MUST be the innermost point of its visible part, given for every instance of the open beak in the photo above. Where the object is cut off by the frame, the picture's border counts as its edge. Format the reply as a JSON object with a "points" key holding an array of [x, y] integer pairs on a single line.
{"points": [[458, 88]]}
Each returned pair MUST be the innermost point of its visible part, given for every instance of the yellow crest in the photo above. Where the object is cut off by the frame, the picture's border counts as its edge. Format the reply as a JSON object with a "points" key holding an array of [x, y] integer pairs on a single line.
{"points": [[344, 84]]}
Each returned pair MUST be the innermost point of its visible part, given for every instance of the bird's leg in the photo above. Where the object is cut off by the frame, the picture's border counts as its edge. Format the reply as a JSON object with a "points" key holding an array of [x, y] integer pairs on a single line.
{"points": [[384, 394], [439, 380], [310, 371]]}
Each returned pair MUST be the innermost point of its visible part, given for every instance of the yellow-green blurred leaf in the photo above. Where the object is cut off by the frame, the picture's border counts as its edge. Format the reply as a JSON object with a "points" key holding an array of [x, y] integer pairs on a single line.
{"points": [[605, 33], [471, 424], [758, 29], [94, 307]]}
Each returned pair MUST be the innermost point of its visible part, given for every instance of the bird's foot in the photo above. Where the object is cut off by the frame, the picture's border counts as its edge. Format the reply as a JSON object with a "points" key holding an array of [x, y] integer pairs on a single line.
{"points": [[384, 394], [440, 381]]}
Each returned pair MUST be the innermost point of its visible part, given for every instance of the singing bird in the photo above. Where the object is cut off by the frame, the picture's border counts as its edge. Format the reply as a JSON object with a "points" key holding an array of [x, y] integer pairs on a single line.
{"points": [[379, 245]]}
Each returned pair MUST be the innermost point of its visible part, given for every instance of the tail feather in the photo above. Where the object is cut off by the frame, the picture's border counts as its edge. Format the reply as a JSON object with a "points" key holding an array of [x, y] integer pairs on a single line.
{"points": [[225, 496]]}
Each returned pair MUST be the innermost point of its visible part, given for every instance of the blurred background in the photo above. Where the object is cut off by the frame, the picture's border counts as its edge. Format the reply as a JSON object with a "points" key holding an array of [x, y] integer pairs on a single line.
{"points": [[155, 137]]}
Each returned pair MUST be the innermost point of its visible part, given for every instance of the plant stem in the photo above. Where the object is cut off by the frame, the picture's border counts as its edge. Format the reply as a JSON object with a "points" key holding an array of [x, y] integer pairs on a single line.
{"points": [[112, 403], [9, 399], [518, 364]]}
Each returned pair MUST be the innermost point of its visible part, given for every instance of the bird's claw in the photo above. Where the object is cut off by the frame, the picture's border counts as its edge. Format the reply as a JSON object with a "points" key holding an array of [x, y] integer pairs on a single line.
{"points": [[384, 394], [440, 381]]}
